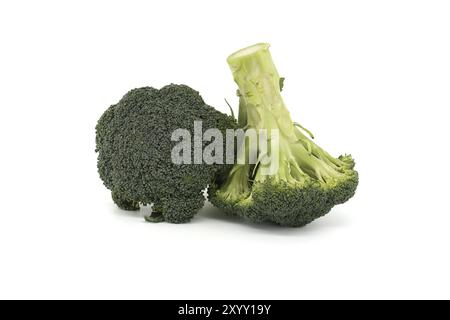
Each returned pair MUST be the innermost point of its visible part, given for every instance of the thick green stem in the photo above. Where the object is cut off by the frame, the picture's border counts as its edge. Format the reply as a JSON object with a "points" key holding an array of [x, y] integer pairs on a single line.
{"points": [[259, 86], [262, 107]]}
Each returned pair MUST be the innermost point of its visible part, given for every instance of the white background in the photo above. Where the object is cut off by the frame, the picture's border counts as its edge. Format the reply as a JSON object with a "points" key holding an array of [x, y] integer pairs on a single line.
{"points": [[370, 78]]}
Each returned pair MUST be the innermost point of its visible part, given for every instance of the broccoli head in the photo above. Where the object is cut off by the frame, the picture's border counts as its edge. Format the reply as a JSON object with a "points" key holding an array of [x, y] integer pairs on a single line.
{"points": [[308, 181], [134, 145]]}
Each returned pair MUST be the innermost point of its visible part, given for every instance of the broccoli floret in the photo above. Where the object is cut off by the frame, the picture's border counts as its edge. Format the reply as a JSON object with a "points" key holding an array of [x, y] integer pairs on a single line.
{"points": [[134, 145], [308, 182]]}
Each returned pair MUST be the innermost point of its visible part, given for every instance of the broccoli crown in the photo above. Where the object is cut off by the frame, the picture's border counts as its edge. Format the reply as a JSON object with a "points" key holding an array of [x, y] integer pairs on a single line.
{"points": [[134, 145], [308, 182]]}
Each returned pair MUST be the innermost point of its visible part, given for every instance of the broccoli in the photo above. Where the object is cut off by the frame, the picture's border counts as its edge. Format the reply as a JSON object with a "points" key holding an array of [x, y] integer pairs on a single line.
{"points": [[308, 182], [134, 145]]}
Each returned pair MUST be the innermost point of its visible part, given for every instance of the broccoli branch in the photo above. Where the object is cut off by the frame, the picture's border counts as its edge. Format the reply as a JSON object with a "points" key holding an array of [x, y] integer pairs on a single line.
{"points": [[262, 107]]}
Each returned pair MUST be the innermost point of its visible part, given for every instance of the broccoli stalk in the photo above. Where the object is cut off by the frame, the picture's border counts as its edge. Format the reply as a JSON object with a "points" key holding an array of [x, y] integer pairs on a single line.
{"points": [[262, 107], [308, 182]]}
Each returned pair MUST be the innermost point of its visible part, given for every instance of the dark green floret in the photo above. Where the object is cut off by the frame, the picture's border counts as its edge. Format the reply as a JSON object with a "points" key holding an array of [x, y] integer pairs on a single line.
{"points": [[134, 151]]}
